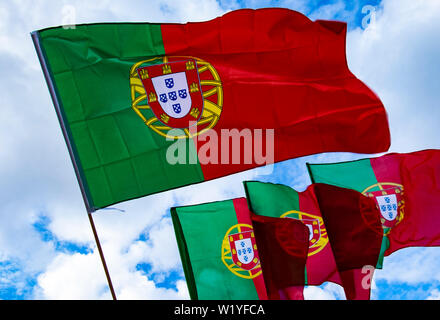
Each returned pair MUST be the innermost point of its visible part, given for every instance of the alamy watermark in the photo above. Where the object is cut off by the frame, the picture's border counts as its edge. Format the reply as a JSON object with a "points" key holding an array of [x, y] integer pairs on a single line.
{"points": [[369, 20], [366, 282], [224, 146]]}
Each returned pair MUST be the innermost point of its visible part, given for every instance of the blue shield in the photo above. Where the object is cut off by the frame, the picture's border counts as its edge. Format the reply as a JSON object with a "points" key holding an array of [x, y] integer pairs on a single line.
{"points": [[177, 108], [163, 98], [169, 83], [183, 93], [172, 95]]}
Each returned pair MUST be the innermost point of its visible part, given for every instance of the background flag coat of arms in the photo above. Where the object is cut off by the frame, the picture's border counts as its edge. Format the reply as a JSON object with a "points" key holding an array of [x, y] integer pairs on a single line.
{"points": [[119, 88], [405, 187], [350, 233]]}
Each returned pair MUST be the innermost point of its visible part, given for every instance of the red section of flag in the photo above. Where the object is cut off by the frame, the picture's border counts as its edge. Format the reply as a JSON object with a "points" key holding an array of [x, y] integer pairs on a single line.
{"points": [[355, 233], [292, 293], [320, 266], [357, 283], [244, 216], [283, 248], [281, 71], [419, 174]]}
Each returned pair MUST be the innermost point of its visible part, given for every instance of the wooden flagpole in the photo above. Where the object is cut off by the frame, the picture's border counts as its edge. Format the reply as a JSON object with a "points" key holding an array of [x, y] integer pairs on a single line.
{"points": [[101, 254]]}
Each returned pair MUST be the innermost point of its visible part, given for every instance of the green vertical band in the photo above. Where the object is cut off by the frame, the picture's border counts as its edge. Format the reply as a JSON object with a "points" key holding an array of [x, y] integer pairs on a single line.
{"points": [[120, 157], [183, 249], [200, 232], [269, 199]]}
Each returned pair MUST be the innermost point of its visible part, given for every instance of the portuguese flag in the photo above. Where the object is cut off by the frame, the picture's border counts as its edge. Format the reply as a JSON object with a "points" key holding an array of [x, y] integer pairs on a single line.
{"points": [[405, 187], [131, 96], [344, 230], [218, 251]]}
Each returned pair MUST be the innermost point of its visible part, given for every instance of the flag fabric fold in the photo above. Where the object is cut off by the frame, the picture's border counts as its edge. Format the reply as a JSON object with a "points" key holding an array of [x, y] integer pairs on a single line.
{"points": [[355, 234], [126, 93], [282, 246], [353, 225]]}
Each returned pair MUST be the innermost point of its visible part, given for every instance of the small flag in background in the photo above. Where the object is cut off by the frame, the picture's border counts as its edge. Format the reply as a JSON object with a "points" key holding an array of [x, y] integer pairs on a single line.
{"points": [[218, 250], [405, 187], [119, 88]]}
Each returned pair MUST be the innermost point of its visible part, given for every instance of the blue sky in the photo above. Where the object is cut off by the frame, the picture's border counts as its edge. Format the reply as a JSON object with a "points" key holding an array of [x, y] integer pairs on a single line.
{"points": [[47, 249]]}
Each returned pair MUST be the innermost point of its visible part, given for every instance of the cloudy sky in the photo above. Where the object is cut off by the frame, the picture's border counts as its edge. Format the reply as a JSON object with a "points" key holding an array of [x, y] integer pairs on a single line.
{"points": [[47, 249]]}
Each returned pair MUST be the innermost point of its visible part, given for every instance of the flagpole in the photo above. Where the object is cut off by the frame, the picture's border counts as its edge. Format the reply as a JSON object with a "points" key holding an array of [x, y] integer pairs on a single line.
{"points": [[101, 254], [40, 54]]}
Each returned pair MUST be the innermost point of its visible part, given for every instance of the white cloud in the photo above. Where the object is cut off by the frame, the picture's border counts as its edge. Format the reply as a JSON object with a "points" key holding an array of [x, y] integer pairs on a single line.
{"points": [[76, 276], [139, 287], [327, 291], [434, 295], [397, 56], [332, 10], [411, 266], [159, 250], [317, 293]]}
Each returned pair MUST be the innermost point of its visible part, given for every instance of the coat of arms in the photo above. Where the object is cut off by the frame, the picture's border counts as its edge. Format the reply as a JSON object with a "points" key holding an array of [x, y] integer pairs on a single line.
{"points": [[389, 200], [242, 247], [176, 92], [173, 92], [239, 251]]}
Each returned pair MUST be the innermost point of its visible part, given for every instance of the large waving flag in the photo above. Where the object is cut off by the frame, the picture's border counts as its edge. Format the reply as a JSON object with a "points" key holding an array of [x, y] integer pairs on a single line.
{"points": [[344, 228], [126, 92], [405, 187]]}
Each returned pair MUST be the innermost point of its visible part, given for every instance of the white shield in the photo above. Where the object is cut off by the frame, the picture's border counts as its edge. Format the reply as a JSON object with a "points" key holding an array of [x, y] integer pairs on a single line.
{"points": [[173, 94], [388, 206], [245, 251], [310, 231]]}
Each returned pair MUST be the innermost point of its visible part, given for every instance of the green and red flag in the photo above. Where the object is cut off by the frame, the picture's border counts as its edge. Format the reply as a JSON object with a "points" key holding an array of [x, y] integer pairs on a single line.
{"points": [[405, 188], [345, 232], [126, 92], [218, 250]]}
